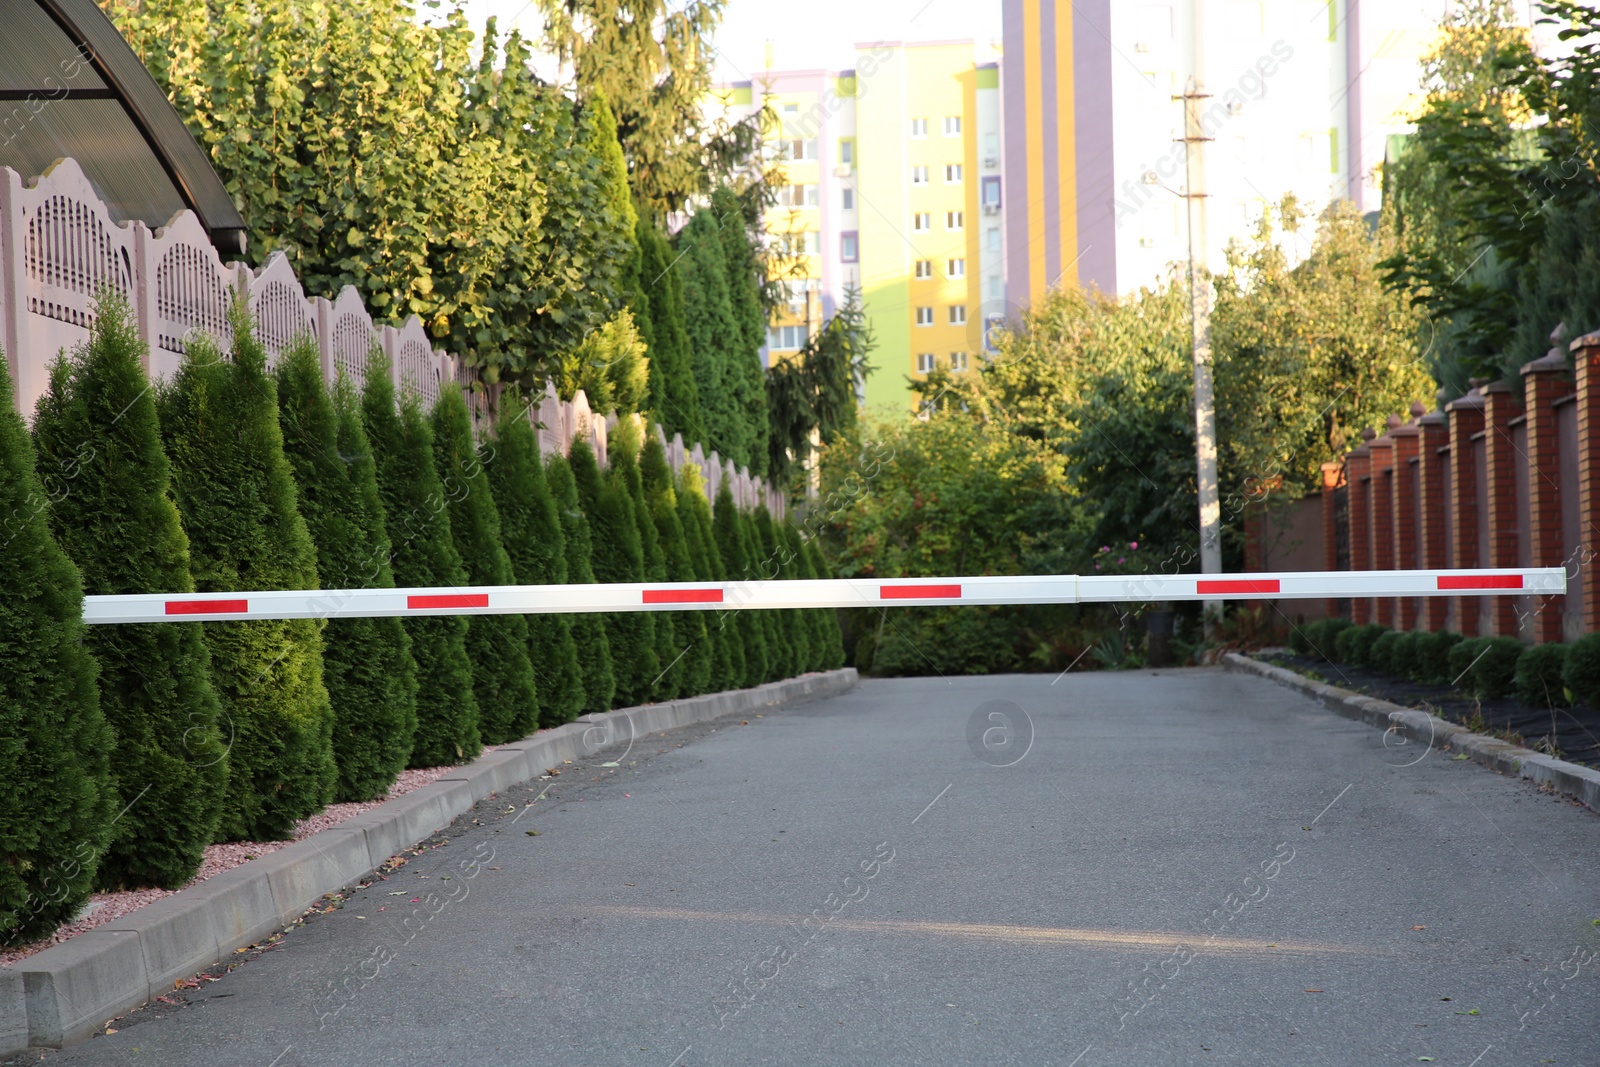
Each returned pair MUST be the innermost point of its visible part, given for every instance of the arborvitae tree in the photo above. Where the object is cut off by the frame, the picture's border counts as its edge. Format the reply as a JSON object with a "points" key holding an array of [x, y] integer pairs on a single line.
{"points": [[236, 493], [727, 645], [779, 562], [833, 657], [732, 545], [713, 333], [57, 798], [758, 568], [624, 471], [688, 627], [618, 557], [743, 258], [530, 526], [588, 629], [674, 396], [502, 677], [100, 449], [366, 663], [423, 555], [813, 620]]}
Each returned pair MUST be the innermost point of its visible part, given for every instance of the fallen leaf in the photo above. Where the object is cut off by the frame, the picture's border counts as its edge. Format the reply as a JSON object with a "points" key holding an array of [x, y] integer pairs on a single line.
{"points": [[1474, 1011], [613, 763], [109, 1030], [745, 723], [1419, 928], [1461, 757], [627, 883], [531, 833], [1313, 991]]}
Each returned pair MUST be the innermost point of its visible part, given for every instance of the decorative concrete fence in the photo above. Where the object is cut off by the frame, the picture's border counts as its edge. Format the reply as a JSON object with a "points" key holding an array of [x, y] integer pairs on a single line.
{"points": [[59, 244]]}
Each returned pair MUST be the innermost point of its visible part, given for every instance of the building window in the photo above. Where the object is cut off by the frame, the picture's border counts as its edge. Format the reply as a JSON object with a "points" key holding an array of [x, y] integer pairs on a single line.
{"points": [[994, 238], [800, 242], [791, 109], [958, 314], [925, 363], [796, 290], [847, 199], [991, 194], [924, 316], [956, 268], [958, 361], [953, 220], [800, 148], [847, 151], [787, 338], [993, 325], [919, 175], [952, 125], [797, 196], [952, 173], [921, 222], [992, 288], [919, 127], [924, 268], [848, 250]]}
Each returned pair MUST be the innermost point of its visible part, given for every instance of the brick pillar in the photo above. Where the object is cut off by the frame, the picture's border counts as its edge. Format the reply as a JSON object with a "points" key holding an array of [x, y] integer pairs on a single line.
{"points": [[1500, 458], [1383, 521], [1407, 449], [1586, 362], [1332, 478], [1466, 419], [1434, 432], [1358, 476], [1545, 381]]}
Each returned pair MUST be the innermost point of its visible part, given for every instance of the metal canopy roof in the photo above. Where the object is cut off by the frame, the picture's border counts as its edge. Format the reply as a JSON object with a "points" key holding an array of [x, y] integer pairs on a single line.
{"points": [[71, 86]]}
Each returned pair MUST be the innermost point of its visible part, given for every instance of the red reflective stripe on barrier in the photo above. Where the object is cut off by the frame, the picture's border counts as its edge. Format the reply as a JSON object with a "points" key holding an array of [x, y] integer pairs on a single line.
{"points": [[452, 600], [207, 607], [683, 596], [1258, 585], [919, 592], [1480, 581]]}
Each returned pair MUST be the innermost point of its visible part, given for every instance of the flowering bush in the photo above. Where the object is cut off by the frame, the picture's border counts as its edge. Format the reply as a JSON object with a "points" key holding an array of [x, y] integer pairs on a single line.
{"points": [[1118, 560]]}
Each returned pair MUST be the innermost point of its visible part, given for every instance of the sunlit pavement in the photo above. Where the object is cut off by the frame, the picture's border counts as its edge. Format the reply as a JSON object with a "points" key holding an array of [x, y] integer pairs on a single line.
{"points": [[1114, 868]]}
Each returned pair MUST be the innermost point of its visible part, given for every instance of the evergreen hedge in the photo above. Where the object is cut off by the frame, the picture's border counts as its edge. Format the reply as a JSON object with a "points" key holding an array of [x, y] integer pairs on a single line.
{"points": [[99, 443], [727, 641], [689, 627], [530, 527], [674, 394], [759, 567], [1355, 644], [1495, 673], [624, 457], [749, 630], [366, 663], [1433, 657], [833, 635], [1463, 657], [236, 494], [502, 676], [423, 555], [1580, 674], [618, 557], [778, 563], [57, 798], [1539, 676], [588, 629]]}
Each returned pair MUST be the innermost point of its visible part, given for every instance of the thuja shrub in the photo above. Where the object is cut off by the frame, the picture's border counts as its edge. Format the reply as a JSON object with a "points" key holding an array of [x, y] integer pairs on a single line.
{"points": [[1322, 637], [588, 629], [727, 642], [530, 528], [1432, 663], [756, 567], [366, 663], [688, 627], [731, 542], [833, 633], [1539, 681], [814, 620], [1403, 655], [1462, 662], [236, 493], [1381, 657], [99, 446], [502, 676], [1495, 673], [423, 554], [57, 798], [623, 453], [779, 563], [1355, 644]]}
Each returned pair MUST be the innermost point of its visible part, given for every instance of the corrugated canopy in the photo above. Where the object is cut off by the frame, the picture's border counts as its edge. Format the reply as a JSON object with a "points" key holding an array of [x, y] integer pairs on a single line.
{"points": [[71, 86]]}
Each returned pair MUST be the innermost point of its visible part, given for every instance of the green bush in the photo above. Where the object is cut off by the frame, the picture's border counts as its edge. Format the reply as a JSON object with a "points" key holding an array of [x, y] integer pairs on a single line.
{"points": [[688, 627], [424, 556], [99, 446], [1495, 674], [1539, 681], [732, 544], [1380, 657], [530, 525], [588, 629], [1355, 643], [1462, 662], [1300, 639], [623, 454], [57, 797], [502, 676], [1403, 655], [1322, 637], [366, 663], [946, 641], [778, 563], [727, 640], [1581, 674], [236, 493], [833, 634], [865, 648], [1432, 665]]}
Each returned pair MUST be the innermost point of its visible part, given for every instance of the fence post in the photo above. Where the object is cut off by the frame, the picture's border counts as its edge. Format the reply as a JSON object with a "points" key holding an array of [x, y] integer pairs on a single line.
{"points": [[1382, 506], [1586, 362], [1407, 456], [1500, 407], [1545, 381], [1358, 478], [1466, 420], [1434, 430], [13, 285]]}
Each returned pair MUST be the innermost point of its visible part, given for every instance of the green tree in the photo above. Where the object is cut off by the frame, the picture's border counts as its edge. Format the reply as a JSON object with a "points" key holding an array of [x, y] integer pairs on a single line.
{"points": [[99, 445], [792, 651], [815, 392], [733, 547], [588, 629], [623, 451], [618, 557], [530, 525], [502, 676], [424, 555], [57, 798], [712, 332], [236, 493], [744, 259], [727, 642], [674, 394], [831, 656], [691, 639], [367, 663], [758, 567]]}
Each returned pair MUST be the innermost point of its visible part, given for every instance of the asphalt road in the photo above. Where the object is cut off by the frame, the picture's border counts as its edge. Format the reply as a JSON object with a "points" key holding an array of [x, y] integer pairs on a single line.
{"points": [[1183, 867]]}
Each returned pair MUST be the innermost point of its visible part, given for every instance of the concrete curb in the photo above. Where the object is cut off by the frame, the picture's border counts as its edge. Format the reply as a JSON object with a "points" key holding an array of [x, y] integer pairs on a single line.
{"points": [[1569, 778], [66, 993]]}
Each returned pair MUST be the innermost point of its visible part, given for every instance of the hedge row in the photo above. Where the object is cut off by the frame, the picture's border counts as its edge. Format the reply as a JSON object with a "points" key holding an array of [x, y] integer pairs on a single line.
{"points": [[234, 477], [1544, 676]]}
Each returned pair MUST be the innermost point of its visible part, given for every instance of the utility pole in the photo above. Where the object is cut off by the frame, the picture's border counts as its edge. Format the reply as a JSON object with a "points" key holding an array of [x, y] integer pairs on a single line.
{"points": [[1205, 422]]}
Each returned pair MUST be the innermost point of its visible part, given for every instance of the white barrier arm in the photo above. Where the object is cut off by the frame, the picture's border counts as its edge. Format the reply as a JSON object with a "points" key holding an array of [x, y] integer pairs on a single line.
{"points": [[819, 593]]}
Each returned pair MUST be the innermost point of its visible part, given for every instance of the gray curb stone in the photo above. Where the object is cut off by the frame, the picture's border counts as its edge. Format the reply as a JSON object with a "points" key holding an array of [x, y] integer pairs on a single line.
{"points": [[1568, 778], [66, 993]]}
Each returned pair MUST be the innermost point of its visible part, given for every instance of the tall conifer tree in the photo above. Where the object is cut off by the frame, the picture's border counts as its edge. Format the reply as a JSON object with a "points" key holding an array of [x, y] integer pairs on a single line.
{"points": [[588, 629]]}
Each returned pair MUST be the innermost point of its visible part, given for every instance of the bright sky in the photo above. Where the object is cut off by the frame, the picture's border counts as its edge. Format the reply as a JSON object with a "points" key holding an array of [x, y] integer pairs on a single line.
{"points": [[805, 34]]}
